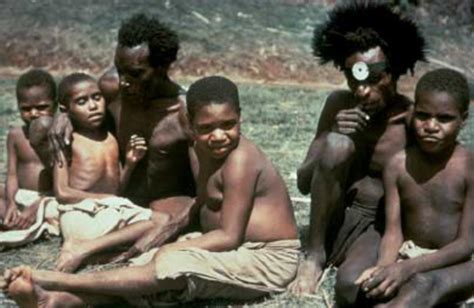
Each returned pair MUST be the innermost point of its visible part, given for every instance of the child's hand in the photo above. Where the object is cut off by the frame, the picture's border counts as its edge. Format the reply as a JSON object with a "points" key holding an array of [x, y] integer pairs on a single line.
{"points": [[11, 216], [136, 149], [27, 218], [366, 275], [385, 281]]}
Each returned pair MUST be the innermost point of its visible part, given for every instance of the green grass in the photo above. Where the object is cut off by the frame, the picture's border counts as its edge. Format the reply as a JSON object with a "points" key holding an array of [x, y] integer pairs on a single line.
{"points": [[280, 119]]}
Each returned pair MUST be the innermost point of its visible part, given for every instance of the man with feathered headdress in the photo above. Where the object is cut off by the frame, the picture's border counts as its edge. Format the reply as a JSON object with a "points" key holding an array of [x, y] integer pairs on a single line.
{"points": [[359, 130]]}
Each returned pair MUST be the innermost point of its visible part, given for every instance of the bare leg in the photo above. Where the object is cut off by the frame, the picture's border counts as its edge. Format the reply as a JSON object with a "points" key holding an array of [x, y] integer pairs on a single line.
{"points": [[124, 282], [74, 252], [3, 208], [26, 293], [446, 285], [360, 256], [332, 154]]}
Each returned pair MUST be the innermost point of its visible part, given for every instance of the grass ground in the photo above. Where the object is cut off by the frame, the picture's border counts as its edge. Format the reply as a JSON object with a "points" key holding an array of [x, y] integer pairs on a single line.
{"points": [[280, 119]]}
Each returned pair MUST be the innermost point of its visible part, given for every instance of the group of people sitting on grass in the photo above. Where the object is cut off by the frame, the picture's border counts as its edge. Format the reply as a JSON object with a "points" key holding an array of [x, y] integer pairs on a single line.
{"points": [[163, 177]]}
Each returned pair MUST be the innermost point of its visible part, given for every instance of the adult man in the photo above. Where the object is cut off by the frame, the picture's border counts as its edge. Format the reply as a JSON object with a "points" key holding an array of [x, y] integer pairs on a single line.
{"points": [[359, 130], [143, 100]]}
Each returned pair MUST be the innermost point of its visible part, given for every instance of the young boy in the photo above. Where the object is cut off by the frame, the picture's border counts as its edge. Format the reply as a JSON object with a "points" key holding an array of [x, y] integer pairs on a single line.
{"points": [[242, 254], [94, 171], [429, 191], [27, 177]]}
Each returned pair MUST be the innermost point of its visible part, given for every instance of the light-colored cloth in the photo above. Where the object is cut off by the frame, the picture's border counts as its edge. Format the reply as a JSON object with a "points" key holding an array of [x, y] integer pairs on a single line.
{"points": [[46, 219], [253, 270], [410, 250], [90, 219], [87, 219]]}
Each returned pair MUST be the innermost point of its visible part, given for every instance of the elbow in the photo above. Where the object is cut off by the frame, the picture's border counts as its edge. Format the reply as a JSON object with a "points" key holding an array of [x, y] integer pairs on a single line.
{"points": [[232, 242], [63, 195]]}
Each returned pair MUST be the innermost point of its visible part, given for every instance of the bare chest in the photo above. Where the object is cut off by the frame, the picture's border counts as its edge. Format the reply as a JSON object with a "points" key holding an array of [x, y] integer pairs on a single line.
{"points": [[382, 143]]}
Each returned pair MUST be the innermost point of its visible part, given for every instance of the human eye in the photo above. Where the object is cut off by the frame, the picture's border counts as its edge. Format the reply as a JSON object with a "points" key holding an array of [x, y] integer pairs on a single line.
{"points": [[228, 124], [25, 109], [204, 129], [446, 118], [81, 101], [97, 96], [422, 115]]}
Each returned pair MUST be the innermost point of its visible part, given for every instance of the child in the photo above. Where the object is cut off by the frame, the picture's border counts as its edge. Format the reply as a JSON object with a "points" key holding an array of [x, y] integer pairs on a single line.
{"points": [[429, 191], [93, 175], [242, 254], [27, 177]]}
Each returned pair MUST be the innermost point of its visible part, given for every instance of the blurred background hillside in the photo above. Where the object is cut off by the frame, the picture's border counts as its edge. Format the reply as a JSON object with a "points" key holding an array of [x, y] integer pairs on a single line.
{"points": [[266, 41]]}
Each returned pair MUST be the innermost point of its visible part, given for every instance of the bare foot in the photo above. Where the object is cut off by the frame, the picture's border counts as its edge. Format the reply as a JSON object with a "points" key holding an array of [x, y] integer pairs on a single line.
{"points": [[306, 279], [23, 291], [71, 257]]}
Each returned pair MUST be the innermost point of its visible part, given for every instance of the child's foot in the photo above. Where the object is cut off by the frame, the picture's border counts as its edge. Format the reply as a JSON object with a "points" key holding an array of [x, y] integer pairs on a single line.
{"points": [[23, 291], [71, 256]]}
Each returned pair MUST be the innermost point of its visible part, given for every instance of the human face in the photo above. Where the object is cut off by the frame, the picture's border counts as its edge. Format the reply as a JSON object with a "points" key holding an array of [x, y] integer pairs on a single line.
{"points": [[86, 106], [437, 121], [34, 102], [135, 72], [372, 93], [216, 129]]}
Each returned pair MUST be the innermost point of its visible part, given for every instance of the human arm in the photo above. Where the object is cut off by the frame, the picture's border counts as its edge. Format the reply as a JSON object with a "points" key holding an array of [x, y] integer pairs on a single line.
{"points": [[339, 115], [393, 236], [64, 192], [136, 150], [11, 187], [60, 137], [460, 249], [239, 180]]}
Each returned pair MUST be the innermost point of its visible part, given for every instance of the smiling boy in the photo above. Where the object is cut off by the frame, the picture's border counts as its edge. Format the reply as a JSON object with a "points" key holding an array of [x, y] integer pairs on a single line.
{"points": [[241, 254], [36, 97], [429, 192]]}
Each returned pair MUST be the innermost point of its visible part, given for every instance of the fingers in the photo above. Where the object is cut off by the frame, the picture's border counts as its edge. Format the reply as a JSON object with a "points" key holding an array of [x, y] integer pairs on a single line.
{"points": [[351, 120], [367, 274], [382, 290]]}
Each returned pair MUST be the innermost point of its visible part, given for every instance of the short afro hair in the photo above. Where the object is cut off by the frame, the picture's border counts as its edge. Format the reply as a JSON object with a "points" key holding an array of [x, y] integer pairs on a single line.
{"points": [[211, 90], [162, 42], [64, 88], [362, 25], [446, 80], [40, 78]]}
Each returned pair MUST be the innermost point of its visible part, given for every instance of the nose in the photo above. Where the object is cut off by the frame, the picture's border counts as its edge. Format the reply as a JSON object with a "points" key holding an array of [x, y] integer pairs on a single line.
{"points": [[92, 104], [34, 113], [362, 90], [218, 135], [431, 126]]}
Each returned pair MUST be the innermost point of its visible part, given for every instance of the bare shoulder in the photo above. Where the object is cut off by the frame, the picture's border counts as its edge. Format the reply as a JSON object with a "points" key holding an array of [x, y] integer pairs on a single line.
{"points": [[397, 162], [109, 85], [247, 155], [16, 134], [340, 99], [464, 159]]}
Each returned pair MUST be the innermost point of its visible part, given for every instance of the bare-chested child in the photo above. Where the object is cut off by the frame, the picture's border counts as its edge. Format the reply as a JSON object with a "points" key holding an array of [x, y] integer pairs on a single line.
{"points": [[429, 191], [241, 254], [27, 174], [94, 171]]}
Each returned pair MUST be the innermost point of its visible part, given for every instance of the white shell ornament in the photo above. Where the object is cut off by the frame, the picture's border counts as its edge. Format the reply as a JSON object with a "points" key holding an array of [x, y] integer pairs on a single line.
{"points": [[360, 71]]}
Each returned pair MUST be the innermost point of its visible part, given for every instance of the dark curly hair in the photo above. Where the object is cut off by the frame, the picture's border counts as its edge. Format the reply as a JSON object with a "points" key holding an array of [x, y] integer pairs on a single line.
{"points": [[213, 89], [64, 88], [446, 80], [362, 25], [37, 77], [162, 42]]}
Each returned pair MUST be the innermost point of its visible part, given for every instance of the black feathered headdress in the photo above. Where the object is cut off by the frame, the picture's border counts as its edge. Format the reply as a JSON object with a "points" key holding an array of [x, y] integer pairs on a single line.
{"points": [[357, 27]]}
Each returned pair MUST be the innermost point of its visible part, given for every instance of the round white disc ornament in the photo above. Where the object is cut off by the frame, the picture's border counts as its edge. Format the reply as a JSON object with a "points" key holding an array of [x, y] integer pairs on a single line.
{"points": [[360, 71]]}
